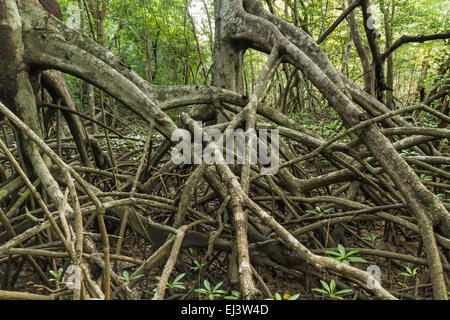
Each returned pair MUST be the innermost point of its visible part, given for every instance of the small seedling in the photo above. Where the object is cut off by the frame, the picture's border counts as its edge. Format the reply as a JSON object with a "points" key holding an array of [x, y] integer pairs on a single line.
{"points": [[208, 291], [175, 284], [409, 153], [440, 196], [329, 290], [198, 266], [372, 238], [425, 178], [56, 275], [126, 277], [234, 295], [410, 273], [345, 257], [319, 212]]}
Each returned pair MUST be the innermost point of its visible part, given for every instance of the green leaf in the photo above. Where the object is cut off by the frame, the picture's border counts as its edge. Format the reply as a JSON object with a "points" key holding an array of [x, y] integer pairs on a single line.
{"points": [[278, 296], [344, 291], [315, 212], [137, 276], [179, 277], [211, 296], [207, 285], [320, 290], [341, 249], [405, 274], [179, 286], [221, 291], [332, 285], [294, 297], [217, 286], [333, 253], [357, 259], [325, 285], [204, 291]]}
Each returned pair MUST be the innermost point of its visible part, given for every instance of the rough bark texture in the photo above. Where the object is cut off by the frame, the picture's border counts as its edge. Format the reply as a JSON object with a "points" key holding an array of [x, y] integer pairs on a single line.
{"points": [[52, 6]]}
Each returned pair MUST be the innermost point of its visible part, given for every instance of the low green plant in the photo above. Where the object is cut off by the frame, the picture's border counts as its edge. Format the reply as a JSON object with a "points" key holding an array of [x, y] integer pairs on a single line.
{"points": [[409, 153], [319, 212], [330, 290], [442, 196], [372, 238], [211, 292], [425, 178], [234, 295], [445, 142], [410, 273], [345, 257], [127, 279], [198, 266], [56, 275], [175, 284], [277, 296]]}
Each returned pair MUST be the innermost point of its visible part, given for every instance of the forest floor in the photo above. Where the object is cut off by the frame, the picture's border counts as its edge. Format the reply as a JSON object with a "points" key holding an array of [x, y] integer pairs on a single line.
{"points": [[376, 235]]}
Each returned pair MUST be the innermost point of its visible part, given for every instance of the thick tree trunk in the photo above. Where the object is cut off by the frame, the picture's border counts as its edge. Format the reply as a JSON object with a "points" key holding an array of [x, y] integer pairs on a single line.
{"points": [[15, 87], [228, 56]]}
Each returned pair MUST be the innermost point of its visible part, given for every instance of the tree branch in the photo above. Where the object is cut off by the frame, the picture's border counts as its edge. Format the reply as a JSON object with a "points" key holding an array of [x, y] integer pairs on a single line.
{"points": [[344, 14], [409, 39]]}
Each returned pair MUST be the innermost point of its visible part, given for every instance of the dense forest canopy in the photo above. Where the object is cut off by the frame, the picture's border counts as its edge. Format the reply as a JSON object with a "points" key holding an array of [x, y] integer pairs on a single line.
{"points": [[346, 99], [173, 39]]}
